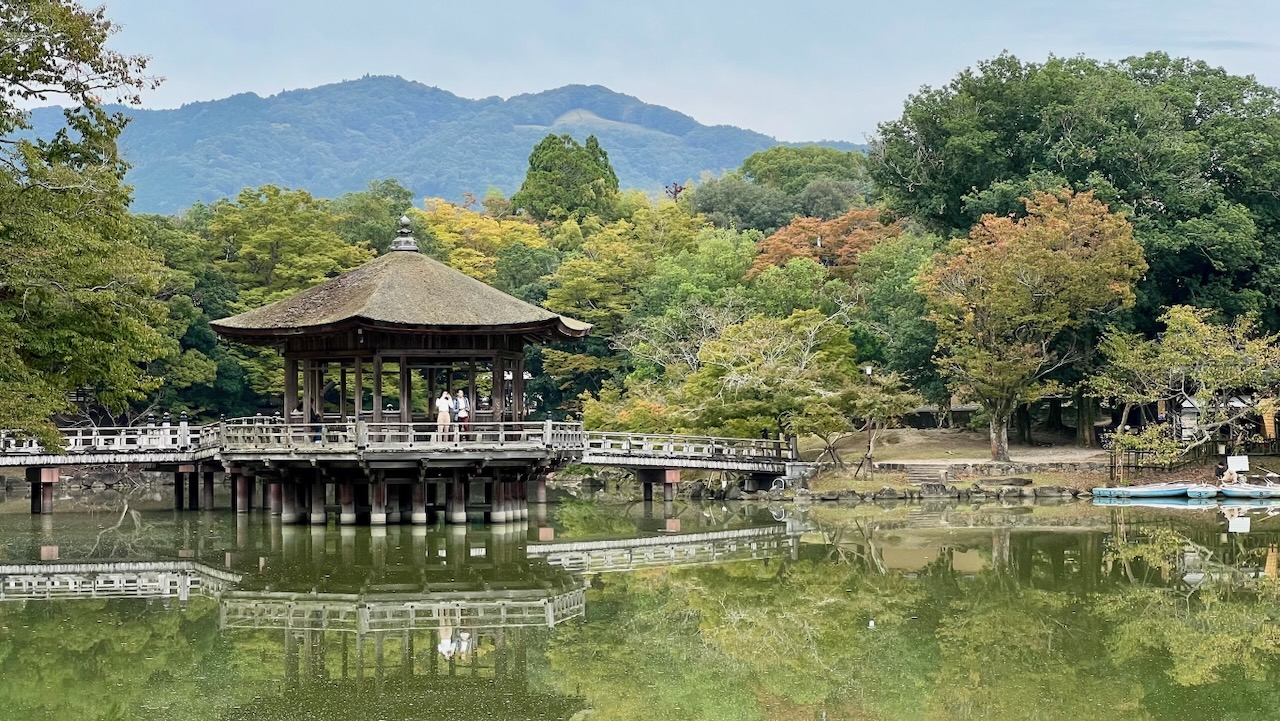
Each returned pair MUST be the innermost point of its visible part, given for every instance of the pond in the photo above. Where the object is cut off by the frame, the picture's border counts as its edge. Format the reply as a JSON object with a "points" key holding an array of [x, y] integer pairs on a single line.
{"points": [[117, 608]]}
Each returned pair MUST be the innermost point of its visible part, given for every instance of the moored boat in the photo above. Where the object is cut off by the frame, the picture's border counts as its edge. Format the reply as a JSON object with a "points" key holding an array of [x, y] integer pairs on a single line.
{"points": [[1169, 502], [1250, 490], [1158, 490]]}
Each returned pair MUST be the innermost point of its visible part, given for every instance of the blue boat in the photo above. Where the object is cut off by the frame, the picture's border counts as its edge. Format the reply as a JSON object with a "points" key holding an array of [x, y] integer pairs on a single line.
{"points": [[1171, 502], [1159, 490], [1250, 490]]}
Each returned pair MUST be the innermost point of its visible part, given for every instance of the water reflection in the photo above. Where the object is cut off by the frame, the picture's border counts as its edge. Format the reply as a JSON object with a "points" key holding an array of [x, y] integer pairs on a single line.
{"points": [[719, 611]]}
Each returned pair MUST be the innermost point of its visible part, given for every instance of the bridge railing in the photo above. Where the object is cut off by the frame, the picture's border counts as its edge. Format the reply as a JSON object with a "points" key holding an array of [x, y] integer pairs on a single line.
{"points": [[119, 439], [681, 445], [268, 434]]}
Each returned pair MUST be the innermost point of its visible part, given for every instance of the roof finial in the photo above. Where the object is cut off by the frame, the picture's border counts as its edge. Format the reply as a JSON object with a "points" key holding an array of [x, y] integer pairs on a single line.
{"points": [[405, 241]]}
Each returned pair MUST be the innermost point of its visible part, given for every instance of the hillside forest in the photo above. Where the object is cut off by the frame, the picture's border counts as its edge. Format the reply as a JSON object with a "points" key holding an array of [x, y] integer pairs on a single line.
{"points": [[1072, 243]]}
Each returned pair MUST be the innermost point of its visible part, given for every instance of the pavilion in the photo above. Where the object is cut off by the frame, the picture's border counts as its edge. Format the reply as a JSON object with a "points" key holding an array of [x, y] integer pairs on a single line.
{"points": [[367, 353]]}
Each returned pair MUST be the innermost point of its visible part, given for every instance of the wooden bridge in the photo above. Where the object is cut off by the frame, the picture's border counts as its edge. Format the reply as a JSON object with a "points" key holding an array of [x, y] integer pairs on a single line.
{"points": [[264, 438], [397, 471]]}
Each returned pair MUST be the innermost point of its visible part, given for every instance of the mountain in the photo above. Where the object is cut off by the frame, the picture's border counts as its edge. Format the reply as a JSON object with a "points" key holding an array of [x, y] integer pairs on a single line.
{"points": [[335, 138]]}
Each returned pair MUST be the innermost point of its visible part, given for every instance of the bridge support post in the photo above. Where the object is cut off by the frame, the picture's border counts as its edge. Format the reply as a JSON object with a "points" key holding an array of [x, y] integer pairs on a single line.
{"points": [[319, 518], [250, 484], [456, 506], [179, 491], [497, 499], [347, 499], [208, 490], [394, 502], [418, 514], [243, 492], [378, 501], [275, 495], [648, 491], [522, 498], [540, 488], [289, 503], [193, 489], [42, 480]]}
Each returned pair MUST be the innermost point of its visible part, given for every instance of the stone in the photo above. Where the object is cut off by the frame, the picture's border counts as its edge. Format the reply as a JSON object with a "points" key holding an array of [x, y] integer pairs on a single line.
{"points": [[1012, 481], [697, 489], [888, 492], [1043, 491], [733, 493]]}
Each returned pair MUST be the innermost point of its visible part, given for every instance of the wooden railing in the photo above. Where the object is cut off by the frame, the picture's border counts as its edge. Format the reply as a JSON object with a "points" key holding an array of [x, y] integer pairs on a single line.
{"points": [[128, 439], [691, 446], [265, 434], [253, 434]]}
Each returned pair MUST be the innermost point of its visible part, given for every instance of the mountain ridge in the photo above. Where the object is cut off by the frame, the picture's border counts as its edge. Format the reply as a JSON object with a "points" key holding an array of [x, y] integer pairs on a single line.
{"points": [[335, 138]]}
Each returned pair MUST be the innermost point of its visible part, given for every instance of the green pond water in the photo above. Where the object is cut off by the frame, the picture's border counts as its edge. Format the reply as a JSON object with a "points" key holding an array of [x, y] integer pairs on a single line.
{"points": [[116, 607]]}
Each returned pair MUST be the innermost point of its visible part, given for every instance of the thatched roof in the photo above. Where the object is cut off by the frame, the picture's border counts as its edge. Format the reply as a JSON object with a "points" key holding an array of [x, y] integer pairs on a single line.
{"points": [[404, 291]]}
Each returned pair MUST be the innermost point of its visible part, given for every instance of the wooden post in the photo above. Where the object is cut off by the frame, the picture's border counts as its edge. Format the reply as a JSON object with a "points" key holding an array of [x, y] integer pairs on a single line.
{"points": [[242, 492], [179, 491], [318, 493], [274, 489], [208, 490], [347, 493], [378, 501], [418, 515]]}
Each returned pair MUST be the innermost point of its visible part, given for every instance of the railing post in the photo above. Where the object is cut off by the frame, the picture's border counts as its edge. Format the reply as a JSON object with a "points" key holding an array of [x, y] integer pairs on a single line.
{"points": [[184, 432], [546, 433]]}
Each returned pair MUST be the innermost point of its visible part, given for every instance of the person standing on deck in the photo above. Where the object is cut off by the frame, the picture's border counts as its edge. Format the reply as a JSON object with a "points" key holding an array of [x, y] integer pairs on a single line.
{"points": [[444, 407], [463, 406]]}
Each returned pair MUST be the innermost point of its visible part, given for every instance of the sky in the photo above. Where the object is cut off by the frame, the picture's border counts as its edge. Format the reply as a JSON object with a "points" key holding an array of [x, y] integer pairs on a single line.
{"points": [[799, 70]]}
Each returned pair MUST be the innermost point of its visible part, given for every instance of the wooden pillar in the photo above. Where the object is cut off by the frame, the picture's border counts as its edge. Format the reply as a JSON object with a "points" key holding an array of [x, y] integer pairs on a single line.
{"points": [[242, 492], [179, 491], [418, 516], [289, 501], [393, 502], [540, 488], [274, 490], [290, 388], [497, 500], [347, 498], [377, 387], [208, 489], [318, 493], [378, 501], [357, 400], [193, 489], [42, 481], [517, 393], [456, 505], [406, 405], [522, 497]]}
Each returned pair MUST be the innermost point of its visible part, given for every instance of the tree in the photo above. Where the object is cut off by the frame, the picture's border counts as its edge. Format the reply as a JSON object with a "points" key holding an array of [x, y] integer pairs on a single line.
{"points": [[567, 180], [370, 218], [472, 242], [1004, 297], [833, 243], [1227, 372], [766, 372], [1185, 151], [77, 307], [733, 202], [792, 169]]}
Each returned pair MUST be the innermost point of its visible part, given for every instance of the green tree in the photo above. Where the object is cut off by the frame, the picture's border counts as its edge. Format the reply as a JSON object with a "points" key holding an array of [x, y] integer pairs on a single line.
{"points": [[77, 306], [1185, 151], [734, 202], [793, 170], [1001, 301], [1227, 372], [370, 218], [567, 180]]}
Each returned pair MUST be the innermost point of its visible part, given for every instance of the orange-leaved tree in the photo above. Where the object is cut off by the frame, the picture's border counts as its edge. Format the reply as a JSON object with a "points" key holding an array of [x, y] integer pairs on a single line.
{"points": [[833, 243], [1003, 298]]}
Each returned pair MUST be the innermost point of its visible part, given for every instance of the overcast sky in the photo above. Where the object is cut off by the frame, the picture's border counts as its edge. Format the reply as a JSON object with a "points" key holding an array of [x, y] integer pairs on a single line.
{"points": [[799, 70]]}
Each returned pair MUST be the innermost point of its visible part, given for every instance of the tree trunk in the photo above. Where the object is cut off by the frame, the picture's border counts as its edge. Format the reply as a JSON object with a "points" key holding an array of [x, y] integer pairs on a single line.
{"points": [[1054, 422], [1086, 414], [1022, 419], [1000, 436]]}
